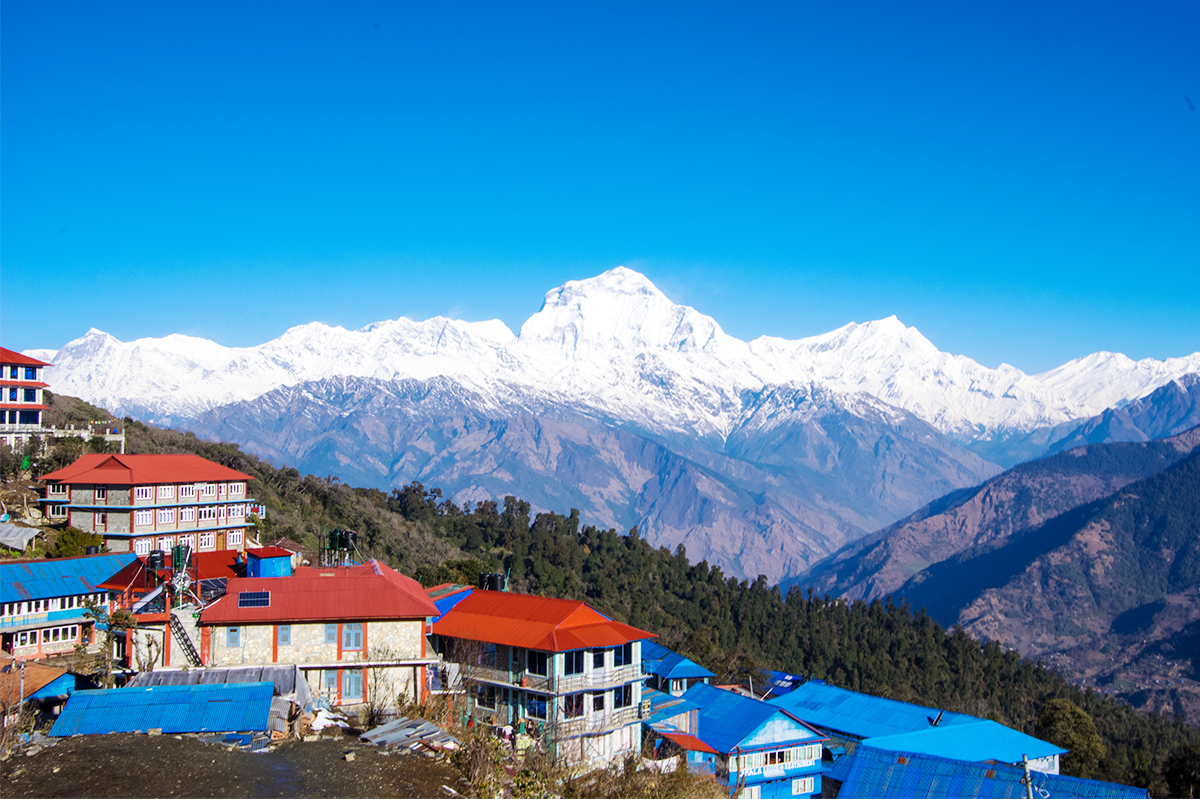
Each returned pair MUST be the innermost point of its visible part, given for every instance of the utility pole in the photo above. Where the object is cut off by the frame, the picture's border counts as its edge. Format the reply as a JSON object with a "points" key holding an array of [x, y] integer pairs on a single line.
{"points": [[1028, 781]]}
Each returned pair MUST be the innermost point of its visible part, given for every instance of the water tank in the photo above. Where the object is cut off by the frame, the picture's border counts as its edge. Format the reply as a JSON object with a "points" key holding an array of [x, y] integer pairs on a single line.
{"points": [[351, 540], [156, 559], [496, 582], [92, 549]]}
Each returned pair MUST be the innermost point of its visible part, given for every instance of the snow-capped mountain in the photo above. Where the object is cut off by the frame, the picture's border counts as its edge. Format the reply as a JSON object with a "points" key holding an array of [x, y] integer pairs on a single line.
{"points": [[762, 456], [618, 346]]}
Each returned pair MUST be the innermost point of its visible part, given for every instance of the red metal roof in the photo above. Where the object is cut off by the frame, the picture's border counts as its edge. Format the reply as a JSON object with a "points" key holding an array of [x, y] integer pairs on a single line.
{"points": [[687, 741], [370, 591], [10, 357], [142, 469], [537, 623], [270, 551], [209, 565]]}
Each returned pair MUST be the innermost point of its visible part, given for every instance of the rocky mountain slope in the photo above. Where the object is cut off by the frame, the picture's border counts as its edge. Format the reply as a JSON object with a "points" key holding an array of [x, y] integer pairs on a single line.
{"points": [[1002, 509]]}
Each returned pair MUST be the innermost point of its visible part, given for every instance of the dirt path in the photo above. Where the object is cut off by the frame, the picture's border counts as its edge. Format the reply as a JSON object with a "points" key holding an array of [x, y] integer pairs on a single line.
{"points": [[137, 765]]}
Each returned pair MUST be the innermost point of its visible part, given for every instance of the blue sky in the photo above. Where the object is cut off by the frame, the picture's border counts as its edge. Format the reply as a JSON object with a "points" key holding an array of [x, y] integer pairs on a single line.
{"points": [[1020, 181]]}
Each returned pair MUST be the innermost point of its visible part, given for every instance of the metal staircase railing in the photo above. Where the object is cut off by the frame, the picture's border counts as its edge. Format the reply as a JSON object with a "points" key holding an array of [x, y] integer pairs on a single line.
{"points": [[185, 641]]}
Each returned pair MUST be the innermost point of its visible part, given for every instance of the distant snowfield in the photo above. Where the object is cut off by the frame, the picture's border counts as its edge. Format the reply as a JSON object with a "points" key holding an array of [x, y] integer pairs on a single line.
{"points": [[617, 347]]}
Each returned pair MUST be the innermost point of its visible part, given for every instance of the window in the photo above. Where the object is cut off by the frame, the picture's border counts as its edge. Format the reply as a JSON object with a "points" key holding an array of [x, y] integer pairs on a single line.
{"points": [[330, 633], [573, 662], [208, 490], [101, 519], [623, 655], [14, 372], [233, 538], [598, 702], [485, 697], [535, 662], [237, 489], [623, 696], [166, 516], [166, 493], [573, 705], [188, 541], [487, 654], [143, 492], [187, 514], [330, 682], [284, 638], [803, 786], [597, 659], [187, 492], [101, 493], [141, 547], [221, 489], [143, 517], [164, 543], [207, 540], [61, 488], [30, 374], [254, 599], [208, 512], [237, 510], [233, 637], [352, 635], [352, 684], [12, 395], [31, 395]]}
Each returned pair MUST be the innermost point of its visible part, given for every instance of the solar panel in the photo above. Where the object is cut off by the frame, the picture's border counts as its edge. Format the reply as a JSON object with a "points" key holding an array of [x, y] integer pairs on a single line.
{"points": [[254, 599]]}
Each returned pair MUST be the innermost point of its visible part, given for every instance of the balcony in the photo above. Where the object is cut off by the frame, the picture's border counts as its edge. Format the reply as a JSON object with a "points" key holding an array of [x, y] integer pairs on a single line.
{"points": [[596, 723], [594, 681]]}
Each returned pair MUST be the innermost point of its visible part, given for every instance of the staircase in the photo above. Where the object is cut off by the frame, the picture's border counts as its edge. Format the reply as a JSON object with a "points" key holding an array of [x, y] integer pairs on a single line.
{"points": [[184, 640]]}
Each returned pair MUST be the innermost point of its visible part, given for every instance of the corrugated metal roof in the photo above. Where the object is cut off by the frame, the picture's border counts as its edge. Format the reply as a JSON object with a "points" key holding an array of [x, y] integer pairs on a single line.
{"points": [[143, 469], [369, 591], [447, 596], [860, 715], [664, 706], [58, 577], [687, 741], [537, 623], [981, 740], [269, 552], [726, 719], [878, 773], [10, 357], [208, 566], [37, 676], [658, 660], [212, 707]]}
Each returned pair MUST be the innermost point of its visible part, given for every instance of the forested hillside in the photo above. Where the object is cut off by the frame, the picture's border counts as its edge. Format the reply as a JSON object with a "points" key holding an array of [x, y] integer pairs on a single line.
{"points": [[734, 627]]}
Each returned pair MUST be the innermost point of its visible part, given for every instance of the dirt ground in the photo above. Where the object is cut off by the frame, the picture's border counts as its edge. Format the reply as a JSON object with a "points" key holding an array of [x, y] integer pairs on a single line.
{"points": [[137, 765]]}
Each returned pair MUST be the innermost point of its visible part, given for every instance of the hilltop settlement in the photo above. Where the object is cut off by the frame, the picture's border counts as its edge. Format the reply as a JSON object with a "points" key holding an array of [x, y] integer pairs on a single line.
{"points": [[178, 620]]}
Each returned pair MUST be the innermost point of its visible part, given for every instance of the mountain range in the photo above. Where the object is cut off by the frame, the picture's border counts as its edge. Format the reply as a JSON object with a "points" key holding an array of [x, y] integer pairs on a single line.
{"points": [[763, 456]]}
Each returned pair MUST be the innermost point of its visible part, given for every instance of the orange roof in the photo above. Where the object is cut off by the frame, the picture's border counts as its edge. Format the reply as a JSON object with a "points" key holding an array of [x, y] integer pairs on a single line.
{"points": [[10, 357], [370, 591], [37, 676], [537, 623], [139, 470], [687, 741]]}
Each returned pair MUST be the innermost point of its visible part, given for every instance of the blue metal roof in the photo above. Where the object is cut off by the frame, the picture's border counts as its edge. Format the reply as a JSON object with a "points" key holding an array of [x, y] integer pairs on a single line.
{"points": [[448, 602], [658, 660], [782, 682], [59, 577], [879, 773], [213, 707], [862, 716], [727, 719], [664, 706], [982, 740]]}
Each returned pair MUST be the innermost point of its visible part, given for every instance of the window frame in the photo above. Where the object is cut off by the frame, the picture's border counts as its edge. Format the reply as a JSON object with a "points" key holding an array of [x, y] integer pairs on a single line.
{"points": [[233, 636], [283, 635], [352, 636], [539, 659], [573, 662], [331, 633]]}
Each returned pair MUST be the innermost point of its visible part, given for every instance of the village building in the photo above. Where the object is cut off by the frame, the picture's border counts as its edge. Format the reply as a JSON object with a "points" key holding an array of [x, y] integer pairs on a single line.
{"points": [[885, 724], [558, 669], [756, 749], [142, 503], [42, 602], [21, 399], [356, 632], [670, 672]]}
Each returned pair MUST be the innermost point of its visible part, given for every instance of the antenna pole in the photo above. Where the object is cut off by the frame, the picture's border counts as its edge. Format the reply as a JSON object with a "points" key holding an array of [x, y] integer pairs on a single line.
{"points": [[1028, 781]]}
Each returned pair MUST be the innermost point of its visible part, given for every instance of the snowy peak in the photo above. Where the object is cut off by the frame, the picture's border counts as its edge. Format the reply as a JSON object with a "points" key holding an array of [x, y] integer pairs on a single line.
{"points": [[619, 309]]}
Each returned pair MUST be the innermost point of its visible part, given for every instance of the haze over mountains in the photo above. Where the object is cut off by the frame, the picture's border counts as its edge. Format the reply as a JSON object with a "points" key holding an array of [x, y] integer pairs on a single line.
{"points": [[761, 456]]}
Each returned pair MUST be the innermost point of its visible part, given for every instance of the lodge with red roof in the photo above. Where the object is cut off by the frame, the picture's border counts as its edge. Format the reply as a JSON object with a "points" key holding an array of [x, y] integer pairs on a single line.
{"points": [[558, 666], [357, 632], [21, 398], [141, 503]]}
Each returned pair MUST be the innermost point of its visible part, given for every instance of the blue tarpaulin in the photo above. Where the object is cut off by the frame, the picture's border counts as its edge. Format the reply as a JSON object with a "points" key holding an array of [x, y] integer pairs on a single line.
{"points": [[215, 707]]}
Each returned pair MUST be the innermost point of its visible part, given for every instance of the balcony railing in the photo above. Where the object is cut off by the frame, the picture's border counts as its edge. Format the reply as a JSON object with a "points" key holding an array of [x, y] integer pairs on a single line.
{"points": [[558, 684]]}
